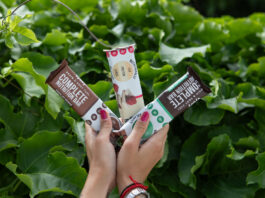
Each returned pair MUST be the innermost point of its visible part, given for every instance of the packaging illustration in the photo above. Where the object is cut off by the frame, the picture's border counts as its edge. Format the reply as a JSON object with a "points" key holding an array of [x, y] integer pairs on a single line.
{"points": [[79, 96], [125, 80], [170, 103]]}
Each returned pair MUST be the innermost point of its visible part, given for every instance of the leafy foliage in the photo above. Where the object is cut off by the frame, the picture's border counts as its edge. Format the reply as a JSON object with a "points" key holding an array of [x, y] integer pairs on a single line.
{"points": [[215, 149]]}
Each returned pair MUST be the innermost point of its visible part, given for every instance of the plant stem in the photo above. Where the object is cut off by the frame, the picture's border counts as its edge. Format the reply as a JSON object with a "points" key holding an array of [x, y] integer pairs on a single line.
{"points": [[17, 185], [9, 186]]}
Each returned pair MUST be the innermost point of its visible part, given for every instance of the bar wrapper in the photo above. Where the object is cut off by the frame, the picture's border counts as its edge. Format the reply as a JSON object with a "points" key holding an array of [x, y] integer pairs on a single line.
{"points": [[79, 96], [125, 80], [170, 103]]}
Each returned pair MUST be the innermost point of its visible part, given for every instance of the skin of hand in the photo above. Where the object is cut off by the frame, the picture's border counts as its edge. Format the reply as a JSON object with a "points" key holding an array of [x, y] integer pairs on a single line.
{"points": [[102, 160], [136, 161]]}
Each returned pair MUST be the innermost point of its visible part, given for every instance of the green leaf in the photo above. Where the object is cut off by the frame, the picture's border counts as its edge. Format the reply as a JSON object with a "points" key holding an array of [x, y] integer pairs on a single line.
{"points": [[209, 32], [53, 101], [113, 105], [102, 89], [240, 28], [24, 65], [56, 38], [160, 86], [58, 173], [257, 69], [173, 56], [160, 21], [259, 17], [147, 72], [234, 129], [248, 142], [250, 94], [8, 40], [20, 124], [8, 3], [33, 152], [229, 187], [215, 156], [77, 46], [258, 176], [15, 22], [99, 30], [47, 122], [80, 4], [185, 18], [133, 13], [28, 84], [200, 115], [235, 155], [7, 140], [221, 97], [7, 156], [40, 5], [78, 127], [118, 30], [42, 64], [25, 36], [260, 118], [172, 186], [192, 147]]}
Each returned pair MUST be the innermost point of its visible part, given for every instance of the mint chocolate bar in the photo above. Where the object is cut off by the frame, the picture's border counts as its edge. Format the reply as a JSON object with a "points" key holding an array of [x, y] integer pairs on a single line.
{"points": [[170, 103], [79, 96]]}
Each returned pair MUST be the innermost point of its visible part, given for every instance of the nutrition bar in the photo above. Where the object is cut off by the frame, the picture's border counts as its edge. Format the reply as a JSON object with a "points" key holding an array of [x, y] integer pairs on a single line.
{"points": [[125, 80], [79, 96], [170, 103]]}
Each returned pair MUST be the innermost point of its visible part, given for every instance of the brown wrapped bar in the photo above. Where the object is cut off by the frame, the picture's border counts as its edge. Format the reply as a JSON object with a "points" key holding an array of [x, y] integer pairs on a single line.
{"points": [[79, 96]]}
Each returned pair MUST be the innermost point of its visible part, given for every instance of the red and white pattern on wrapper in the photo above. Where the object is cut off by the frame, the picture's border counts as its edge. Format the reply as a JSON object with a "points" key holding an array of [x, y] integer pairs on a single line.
{"points": [[114, 53], [131, 49], [122, 51]]}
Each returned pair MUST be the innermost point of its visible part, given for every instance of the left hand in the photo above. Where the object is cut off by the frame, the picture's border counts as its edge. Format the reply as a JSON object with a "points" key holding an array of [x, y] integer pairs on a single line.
{"points": [[101, 156]]}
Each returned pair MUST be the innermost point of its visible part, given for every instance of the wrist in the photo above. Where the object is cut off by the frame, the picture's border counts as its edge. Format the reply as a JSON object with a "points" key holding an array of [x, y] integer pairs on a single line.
{"points": [[130, 188], [135, 190], [100, 176], [123, 182], [95, 186]]}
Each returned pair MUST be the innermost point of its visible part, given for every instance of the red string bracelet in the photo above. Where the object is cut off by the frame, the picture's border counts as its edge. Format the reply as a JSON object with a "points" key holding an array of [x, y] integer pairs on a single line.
{"points": [[132, 186]]}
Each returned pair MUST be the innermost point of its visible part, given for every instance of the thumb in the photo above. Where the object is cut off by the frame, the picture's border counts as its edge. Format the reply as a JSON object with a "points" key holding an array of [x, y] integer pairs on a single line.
{"points": [[105, 124], [139, 128]]}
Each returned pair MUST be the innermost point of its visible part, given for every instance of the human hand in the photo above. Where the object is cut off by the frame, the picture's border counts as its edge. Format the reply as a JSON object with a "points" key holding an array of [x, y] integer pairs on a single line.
{"points": [[138, 162], [102, 159]]}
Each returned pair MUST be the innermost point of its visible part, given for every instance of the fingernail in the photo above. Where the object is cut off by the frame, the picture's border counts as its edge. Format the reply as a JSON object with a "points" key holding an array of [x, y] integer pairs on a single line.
{"points": [[145, 116], [103, 114]]}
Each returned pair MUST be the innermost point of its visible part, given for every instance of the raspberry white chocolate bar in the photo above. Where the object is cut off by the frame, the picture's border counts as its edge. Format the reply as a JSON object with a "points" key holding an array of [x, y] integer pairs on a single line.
{"points": [[125, 80], [79, 96], [170, 103]]}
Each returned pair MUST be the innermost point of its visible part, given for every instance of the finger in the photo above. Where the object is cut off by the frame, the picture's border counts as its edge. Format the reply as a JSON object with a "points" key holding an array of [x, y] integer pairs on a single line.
{"points": [[90, 133], [157, 141], [105, 124], [89, 138], [164, 132], [139, 129], [161, 135]]}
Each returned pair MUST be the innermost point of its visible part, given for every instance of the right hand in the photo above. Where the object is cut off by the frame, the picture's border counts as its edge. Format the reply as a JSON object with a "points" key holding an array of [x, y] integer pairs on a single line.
{"points": [[138, 162]]}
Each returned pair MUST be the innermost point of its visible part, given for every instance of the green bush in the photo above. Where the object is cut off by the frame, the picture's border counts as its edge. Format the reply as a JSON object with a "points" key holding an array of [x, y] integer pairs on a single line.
{"points": [[216, 149]]}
